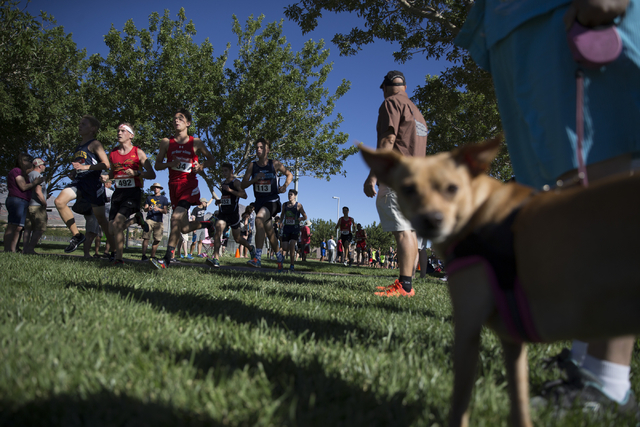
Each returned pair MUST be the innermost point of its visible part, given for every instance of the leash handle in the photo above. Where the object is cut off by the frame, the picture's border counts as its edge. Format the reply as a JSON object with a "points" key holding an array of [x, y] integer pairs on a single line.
{"points": [[582, 168]]}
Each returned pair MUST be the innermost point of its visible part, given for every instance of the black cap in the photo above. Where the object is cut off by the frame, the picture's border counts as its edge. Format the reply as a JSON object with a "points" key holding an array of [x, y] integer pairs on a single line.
{"points": [[388, 79]]}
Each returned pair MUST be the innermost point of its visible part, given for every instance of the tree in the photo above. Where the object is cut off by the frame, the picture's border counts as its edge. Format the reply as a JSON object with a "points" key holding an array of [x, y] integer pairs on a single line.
{"points": [[271, 91], [460, 105], [40, 97], [321, 229], [378, 238]]}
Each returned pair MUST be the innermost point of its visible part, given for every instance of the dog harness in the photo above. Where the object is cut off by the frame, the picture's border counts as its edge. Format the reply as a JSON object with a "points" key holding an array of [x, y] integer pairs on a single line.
{"points": [[492, 246]]}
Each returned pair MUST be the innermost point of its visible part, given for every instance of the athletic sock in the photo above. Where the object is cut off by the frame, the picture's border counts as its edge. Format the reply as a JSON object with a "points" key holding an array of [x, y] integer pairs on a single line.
{"points": [[170, 251], [405, 281], [578, 351], [279, 257], [259, 254], [614, 377]]}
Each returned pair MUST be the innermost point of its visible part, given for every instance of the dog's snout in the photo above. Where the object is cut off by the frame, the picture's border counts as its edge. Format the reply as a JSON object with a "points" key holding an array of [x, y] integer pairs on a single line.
{"points": [[433, 220]]}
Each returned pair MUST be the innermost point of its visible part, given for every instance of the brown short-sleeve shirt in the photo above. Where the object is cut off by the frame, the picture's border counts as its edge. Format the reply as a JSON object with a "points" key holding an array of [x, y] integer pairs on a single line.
{"points": [[409, 127]]}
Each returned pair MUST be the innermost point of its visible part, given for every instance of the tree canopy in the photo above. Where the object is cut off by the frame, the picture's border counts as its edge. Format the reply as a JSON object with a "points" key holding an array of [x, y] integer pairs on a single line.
{"points": [[269, 91], [459, 105]]}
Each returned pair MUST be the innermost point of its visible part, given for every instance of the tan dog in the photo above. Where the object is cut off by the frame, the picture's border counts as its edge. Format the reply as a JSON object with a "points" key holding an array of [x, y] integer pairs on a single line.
{"points": [[556, 235]]}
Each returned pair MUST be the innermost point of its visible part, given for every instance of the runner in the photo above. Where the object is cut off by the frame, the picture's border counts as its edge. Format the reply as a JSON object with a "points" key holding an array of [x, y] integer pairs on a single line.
{"points": [[156, 207], [197, 214], [262, 174], [89, 159], [345, 224], [229, 214], [181, 152], [129, 166], [292, 211], [361, 244]]}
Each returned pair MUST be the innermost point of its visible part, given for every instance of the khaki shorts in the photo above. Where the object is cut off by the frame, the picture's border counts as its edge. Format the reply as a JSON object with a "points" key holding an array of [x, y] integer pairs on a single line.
{"points": [[155, 230], [391, 219], [36, 218]]}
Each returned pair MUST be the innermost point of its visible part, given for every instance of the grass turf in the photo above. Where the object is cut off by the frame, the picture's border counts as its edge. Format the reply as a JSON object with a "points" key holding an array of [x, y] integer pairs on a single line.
{"points": [[84, 343]]}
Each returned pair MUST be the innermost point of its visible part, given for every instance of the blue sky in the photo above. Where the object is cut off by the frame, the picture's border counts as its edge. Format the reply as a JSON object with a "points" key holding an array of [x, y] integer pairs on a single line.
{"points": [[90, 21]]}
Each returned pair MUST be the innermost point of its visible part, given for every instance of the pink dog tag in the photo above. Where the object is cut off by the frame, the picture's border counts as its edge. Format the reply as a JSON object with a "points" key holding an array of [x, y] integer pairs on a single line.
{"points": [[592, 47]]}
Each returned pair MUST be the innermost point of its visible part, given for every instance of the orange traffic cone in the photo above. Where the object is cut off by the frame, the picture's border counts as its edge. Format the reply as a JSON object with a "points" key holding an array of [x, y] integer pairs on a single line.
{"points": [[237, 252]]}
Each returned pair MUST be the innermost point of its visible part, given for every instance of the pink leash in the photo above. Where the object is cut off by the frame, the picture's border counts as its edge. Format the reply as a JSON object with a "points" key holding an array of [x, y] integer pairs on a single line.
{"points": [[591, 48], [582, 168]]}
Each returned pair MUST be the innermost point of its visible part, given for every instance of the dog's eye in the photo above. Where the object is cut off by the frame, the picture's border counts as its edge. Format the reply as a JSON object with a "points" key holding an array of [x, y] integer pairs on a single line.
{"points": [[409, 190], [452, 189]]}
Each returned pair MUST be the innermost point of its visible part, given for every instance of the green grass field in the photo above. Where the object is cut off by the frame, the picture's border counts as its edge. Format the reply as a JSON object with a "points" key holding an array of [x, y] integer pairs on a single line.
{"points": [[85, 343]]}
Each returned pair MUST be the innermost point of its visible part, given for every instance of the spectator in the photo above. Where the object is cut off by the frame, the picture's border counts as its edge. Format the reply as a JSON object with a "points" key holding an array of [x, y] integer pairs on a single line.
{"points": [[331, 248], [36, 221], [17, 202]]}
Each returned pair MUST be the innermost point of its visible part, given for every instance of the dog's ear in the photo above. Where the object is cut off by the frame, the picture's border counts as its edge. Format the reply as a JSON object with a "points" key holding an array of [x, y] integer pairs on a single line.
{"points": [[381, 162], [478, 157]]}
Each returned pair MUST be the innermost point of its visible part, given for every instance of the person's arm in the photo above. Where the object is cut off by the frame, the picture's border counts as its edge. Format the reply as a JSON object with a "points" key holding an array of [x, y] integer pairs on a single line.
{"points": [[148, 172], [162, 153], [236, 189], [165, 208], [593, 13], [280, 168], [301, 210], [198, 146], [338, 223], [147, 206], [96, 148], [246, 179], [40, 195], [386, 142], [22, 183]]}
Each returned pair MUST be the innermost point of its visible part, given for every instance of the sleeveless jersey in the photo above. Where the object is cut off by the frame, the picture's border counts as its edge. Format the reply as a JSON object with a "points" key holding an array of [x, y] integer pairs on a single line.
{"points": [[184, 153], [265, 189], [120, 163], [291, 219], [86, 157], [228, 201], [346, 225], [359, 235]]}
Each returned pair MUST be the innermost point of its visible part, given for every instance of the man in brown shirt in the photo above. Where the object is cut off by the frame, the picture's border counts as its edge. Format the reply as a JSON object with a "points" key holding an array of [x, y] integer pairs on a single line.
{"points": [[400, 127]]}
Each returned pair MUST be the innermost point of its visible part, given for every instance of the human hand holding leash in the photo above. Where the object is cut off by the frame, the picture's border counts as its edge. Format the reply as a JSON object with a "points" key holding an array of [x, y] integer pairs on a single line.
{"points": [[592, 13]]}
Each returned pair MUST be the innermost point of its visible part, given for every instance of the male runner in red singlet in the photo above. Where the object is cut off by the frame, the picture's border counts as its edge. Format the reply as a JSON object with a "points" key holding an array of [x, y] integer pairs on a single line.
{"points": [[361, 244], [346, 225], [129, 166], [181, 152], [263, 175]]}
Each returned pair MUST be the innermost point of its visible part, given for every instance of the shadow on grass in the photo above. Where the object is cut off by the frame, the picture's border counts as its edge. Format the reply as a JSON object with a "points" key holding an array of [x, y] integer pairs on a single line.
{"points": [[99, 409], [292, 295], [317, 399], [193, 305]]}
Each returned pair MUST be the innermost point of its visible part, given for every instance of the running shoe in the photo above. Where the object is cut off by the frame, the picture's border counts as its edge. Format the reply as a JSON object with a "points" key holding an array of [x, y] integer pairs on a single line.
{"points": [[291, 269], [141, 222], [280, 267], [74, 243], [189, 256], [254, 262], [202, 255], [96, 256], [157, 263], [581, 390], [144, 258], [346, 263], [112, 256], [212, 262], [396, 290], [252, 252], [118, 263], [181, 256]]}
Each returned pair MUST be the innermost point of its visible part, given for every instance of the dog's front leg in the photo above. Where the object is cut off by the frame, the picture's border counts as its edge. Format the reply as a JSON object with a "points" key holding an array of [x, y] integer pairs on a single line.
{"points": [[515, 358], [465, 361], [472, 304]]}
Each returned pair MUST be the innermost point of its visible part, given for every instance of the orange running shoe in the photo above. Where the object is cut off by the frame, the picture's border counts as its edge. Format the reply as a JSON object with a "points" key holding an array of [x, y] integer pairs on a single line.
{"points": [[396, 290]]}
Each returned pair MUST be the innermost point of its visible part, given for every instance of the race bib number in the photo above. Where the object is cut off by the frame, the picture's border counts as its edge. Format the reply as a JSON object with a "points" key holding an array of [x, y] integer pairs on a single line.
{"points": [[125, 183], [225, 201], [183, 167], [263, 186], [290, 221], [345, 232]]}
